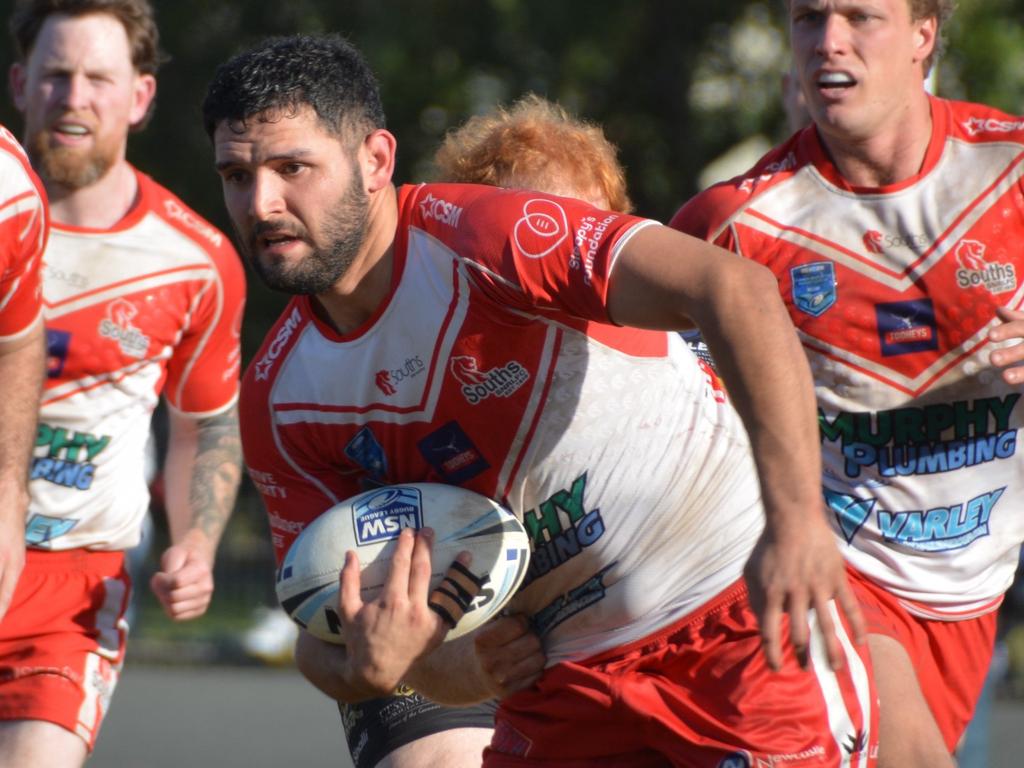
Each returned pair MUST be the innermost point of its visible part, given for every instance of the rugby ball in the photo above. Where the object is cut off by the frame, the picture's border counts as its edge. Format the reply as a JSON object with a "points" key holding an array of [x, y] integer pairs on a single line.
{"points": [[369, 524]]}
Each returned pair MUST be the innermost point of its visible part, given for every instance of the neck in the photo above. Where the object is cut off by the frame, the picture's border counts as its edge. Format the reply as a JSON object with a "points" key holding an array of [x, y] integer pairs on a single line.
{"points": [[888, 156], [98, 206], [367, 282]]}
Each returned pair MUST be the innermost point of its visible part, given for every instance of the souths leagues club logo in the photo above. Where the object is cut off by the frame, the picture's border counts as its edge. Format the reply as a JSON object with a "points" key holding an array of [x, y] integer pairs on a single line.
{"points": [[478, 385], [118, 326], [976, 271]]}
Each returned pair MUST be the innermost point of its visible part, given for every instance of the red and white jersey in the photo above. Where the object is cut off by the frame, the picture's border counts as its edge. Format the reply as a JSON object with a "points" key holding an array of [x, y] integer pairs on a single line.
{"points": [[23, 231], [152, 305], [893, 291], [492, 365]]}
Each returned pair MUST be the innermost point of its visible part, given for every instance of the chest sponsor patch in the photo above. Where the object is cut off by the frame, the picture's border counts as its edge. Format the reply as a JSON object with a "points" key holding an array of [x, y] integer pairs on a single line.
{"points": [[366, 452], [814, 287], [907, 326], [57, 346], [451, 452]]}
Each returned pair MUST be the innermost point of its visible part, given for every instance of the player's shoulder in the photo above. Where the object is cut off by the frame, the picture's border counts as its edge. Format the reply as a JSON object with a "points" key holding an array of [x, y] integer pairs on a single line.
{"points": [[16, 175], [171, 209], [703, 213], [278, 342], [980, 123]]}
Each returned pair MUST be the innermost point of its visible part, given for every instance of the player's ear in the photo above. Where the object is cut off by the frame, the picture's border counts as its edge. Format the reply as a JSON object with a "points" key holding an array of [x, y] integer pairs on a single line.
{"points": [[925, 37], [143, 93], [16, 82], [377, 159]]}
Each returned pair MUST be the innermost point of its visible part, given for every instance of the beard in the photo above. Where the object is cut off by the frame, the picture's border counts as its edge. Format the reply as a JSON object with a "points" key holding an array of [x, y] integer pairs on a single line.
{"points": [[344, 233], [68, 167]]}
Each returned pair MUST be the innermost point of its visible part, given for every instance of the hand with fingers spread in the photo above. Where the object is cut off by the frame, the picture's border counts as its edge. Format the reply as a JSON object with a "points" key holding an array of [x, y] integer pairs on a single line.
{"points": [[792, 572], [1010, 358], [384, 637], [510, 654]]}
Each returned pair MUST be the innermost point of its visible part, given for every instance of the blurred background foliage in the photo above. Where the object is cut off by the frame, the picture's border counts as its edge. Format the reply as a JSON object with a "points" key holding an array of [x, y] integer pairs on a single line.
{"points": [[675, 83]]}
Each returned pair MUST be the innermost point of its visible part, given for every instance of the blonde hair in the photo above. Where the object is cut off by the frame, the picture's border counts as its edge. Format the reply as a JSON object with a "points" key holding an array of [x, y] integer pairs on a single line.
{"points": [[535, 144]]}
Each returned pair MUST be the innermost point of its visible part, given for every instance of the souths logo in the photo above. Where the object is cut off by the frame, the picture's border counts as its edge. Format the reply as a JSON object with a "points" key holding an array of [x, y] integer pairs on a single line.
{"points": [[976, 125], [118, 326], [388, 380], [440, 210], [975, 271], [542, 228], [382, 515], [478, 385], [873, 241], [266, 363]]}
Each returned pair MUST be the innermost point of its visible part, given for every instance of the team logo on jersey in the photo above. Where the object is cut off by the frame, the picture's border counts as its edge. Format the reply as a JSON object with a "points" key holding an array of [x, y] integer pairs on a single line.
{"points": [[383, 515], [814, 287], [117, 325], [478, 385], [450, 451], [873, 241], [542, 228], [57, 345], [907, 326], [387, 381], [365, 450], [440, 210], [266, 363], [975, 271]]}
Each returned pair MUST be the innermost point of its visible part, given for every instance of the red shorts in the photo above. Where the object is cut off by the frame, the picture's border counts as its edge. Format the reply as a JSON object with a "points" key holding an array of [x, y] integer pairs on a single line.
{"points": [[951, 658], [697, 694], [62, 640]]}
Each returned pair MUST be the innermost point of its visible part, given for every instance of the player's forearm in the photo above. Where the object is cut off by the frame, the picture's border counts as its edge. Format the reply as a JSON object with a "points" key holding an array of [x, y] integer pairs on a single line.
{"points": [[202, 474], [21, 371]]}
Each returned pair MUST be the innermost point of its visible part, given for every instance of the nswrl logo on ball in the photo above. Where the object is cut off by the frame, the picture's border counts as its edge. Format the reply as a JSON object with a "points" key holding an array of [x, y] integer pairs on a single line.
{"points": [[382, 515]]}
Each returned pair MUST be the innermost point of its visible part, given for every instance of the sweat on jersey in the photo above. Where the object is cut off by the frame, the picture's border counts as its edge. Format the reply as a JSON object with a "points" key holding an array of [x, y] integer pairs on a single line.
{"points": [[492, 365], [151, 305], [893, 291], [23, 230]]}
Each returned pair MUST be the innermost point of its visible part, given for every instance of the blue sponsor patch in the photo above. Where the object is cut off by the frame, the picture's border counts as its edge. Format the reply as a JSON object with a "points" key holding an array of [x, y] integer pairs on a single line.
{"points": [[382, 515], [57, 344], [365, 451], [41, 529], [737, 760], [450, 451], [907, 326], [814, 287]]}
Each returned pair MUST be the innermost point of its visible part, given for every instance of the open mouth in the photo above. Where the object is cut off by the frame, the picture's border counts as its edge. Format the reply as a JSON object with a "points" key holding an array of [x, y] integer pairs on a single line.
{"points": [[835, 81]]}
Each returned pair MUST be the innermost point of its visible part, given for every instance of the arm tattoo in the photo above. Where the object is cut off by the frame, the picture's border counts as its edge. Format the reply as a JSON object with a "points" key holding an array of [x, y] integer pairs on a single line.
{"points": [[216, 474]]}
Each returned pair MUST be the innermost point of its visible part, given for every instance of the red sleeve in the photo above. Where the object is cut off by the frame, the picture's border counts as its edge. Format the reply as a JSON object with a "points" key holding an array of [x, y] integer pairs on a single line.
{"points": [[529, 250], [24, 227]]}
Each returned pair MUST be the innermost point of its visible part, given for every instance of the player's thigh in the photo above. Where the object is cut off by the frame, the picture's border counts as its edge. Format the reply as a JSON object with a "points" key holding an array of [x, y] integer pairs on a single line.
{"points": [[908, 736], [457, 748], [39, 744]]}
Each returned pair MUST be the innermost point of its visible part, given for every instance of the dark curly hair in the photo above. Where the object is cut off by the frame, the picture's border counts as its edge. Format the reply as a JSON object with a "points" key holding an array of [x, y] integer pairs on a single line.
{"points": [[283, 74]]}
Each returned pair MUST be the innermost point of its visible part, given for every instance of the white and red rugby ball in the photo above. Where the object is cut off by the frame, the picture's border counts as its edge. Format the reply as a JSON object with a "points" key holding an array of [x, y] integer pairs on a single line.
{"points": [[369, 524]]}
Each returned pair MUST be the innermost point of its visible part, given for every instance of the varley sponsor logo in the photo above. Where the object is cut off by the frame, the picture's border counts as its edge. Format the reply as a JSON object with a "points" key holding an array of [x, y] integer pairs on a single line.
{"points": [[118, 326], [478, 385], [177, 212], [977, 125], [284, 333], [975, 271], [388, 380], [440, 210], [542, 228]]}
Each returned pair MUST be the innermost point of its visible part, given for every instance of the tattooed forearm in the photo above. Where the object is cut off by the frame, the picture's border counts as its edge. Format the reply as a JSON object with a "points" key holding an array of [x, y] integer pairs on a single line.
{"points": [[216, 473]]}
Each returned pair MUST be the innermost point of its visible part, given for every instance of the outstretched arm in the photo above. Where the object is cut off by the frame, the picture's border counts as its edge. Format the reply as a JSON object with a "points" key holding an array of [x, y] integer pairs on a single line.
{"points": [[667, 280], [21, 371], [201, 474]]}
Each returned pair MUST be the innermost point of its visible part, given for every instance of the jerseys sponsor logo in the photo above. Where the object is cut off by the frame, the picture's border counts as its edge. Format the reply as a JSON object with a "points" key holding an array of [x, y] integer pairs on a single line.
{"points": [[279, 523], [978, 125], [814, 287], [58, 344], [586, 243], [873, 241], [937, 529], [117, 326], [570, 603], [440, 210], [68, 457], [542, 228], [388, 380], [907, 326], [366, 452], [943, 437], [76, 280], [975, 271], [560, 528], [267, 485], [452, 454], [41, 530], [383, 515], [737, 760], [787, 163], [478, 385], [177, 212], [284, 333]]}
